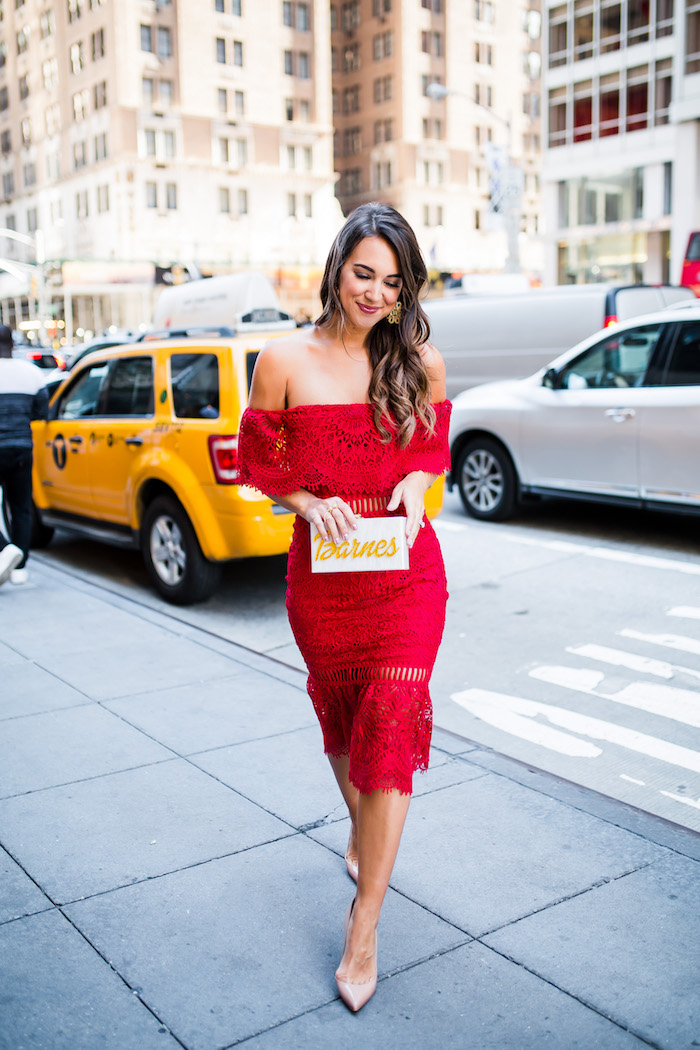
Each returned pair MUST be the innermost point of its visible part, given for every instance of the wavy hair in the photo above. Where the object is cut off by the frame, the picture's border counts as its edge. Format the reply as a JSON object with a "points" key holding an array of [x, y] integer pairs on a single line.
{"points": [[400, 386]]}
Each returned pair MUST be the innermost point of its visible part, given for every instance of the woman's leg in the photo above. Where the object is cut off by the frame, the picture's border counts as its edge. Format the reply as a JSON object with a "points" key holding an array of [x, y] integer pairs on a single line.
{"points": [[380, 820], [350, 793]]}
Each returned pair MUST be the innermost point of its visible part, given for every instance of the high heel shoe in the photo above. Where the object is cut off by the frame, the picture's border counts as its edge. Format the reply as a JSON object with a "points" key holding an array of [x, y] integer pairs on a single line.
{"points": [[351, 865], [355, 994]]}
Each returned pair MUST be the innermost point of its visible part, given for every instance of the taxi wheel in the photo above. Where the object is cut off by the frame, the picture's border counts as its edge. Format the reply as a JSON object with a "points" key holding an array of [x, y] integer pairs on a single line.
{"points": [[179, 571], [487, 480]]}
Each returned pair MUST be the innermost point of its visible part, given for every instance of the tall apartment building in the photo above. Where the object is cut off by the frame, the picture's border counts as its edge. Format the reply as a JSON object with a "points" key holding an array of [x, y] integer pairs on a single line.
{"points": [[428, 157], [144, 132], [622, 152]]}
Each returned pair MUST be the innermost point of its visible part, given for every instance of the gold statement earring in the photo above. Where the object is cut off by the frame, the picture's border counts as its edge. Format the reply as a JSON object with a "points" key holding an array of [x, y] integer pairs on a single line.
{"points": [[395, 315]]}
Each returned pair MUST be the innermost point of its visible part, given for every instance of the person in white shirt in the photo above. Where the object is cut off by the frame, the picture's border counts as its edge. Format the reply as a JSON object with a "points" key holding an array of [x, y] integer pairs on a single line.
{"points": [[23, 398]]}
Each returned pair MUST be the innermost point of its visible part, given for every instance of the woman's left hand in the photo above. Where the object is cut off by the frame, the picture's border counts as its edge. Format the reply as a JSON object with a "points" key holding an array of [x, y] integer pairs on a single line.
{"points": [[411, 492]]}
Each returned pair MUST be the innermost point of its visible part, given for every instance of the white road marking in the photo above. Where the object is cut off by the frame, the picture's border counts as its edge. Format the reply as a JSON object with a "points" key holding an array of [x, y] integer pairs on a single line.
{"points": [[689, 612], [619, 658], [485, 704], [682, 798], [681, 705], [632, 780], [669, 641], [609, 554]]}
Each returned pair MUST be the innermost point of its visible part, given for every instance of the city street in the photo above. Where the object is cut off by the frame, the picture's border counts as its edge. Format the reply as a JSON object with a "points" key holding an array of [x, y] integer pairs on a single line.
{"points": [[572, 641]]}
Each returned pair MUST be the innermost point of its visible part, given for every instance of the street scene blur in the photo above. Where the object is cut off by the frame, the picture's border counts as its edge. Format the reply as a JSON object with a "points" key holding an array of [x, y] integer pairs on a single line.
{"points": [[174, 173]]}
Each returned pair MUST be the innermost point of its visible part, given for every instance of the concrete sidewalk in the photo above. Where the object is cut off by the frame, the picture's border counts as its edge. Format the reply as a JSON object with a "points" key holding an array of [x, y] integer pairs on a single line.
{"points": [[172, 876]]}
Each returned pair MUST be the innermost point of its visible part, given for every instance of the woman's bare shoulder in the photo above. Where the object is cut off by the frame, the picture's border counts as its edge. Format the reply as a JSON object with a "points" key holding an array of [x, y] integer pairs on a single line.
{"points": [[435, 367]]}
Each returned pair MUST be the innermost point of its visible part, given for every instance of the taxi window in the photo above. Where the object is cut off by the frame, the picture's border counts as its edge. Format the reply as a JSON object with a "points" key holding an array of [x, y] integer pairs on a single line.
{"points": [[194, 380], [684, 366], [130, 389], [82, 398]]}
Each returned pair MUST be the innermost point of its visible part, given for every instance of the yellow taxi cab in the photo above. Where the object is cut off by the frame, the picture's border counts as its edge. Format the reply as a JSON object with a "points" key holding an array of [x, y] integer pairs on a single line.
{"points": [[140, 449]]}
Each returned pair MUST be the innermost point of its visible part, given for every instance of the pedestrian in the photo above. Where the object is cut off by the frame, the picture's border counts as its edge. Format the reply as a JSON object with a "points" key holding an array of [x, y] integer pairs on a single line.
{"points": [[349, 418], [23, 397]]}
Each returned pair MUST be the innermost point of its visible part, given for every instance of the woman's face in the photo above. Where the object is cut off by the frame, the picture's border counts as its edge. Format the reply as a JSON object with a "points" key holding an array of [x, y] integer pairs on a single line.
{"points": [[370, 283]]}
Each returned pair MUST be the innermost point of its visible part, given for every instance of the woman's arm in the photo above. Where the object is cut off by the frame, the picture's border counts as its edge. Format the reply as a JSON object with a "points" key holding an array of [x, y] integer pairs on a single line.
{"points": [[268, 391]]}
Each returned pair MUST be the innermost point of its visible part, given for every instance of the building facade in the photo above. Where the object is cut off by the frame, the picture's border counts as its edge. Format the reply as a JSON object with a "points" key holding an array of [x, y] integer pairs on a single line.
{"points": [[622, 151], [434, 157], [143, 140]]}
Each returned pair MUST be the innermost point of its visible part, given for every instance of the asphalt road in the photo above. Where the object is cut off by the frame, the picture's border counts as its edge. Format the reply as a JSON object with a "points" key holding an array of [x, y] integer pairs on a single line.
{"points": [[572, 640]]}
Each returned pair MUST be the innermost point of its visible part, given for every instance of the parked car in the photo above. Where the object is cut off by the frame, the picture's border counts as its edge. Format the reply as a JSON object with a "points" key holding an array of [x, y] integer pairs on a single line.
{"points": [[616, 419], [690, 273], [140, 450], [488, 337]]}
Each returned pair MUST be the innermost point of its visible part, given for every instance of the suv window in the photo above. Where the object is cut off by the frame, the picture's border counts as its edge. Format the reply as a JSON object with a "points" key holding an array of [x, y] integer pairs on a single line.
{"points": [[130, 388], [684, 365], [194, 380], [83, 396], [621, 360]]}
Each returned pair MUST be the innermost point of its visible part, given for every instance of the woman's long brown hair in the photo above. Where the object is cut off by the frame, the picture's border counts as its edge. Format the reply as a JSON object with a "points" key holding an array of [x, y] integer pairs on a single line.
{"points": [[400, 387]]}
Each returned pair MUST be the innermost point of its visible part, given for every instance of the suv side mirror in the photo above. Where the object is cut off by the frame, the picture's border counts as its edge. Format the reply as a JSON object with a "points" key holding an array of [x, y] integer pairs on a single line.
{"points": [[551, 379]]}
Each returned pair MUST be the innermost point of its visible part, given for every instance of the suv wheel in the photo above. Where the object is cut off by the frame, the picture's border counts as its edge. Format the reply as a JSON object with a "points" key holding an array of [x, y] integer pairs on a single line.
{"points": [[487, 480], [179, 571], [41, 534]]}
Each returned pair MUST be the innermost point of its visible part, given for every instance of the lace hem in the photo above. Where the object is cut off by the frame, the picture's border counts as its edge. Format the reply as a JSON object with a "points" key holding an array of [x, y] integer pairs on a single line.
{"points": [[384, 727], [332, 446]]}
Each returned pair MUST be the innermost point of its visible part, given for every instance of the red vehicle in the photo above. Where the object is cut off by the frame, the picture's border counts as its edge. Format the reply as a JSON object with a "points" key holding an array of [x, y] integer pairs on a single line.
{"points": [[690, 274]]}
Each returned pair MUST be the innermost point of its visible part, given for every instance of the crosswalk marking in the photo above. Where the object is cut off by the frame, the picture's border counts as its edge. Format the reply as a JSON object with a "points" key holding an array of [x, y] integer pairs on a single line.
{"points": [[648, 561], [682, 798], [689, 612], [619, 658], [680, 705], [499, 709], [669, 641]]}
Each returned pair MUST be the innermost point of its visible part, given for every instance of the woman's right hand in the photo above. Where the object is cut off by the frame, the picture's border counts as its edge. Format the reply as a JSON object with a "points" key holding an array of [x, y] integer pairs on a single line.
{"points": [[333, 518]]}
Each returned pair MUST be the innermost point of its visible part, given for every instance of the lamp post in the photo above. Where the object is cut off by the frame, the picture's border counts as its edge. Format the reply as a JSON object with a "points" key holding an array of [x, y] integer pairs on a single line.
{"points": [[511, 178]]}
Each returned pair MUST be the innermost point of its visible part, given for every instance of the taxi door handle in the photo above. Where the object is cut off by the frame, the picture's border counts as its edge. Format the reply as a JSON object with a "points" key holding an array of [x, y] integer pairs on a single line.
{"points": [[620, 415], [75, 441], [133, 441]]}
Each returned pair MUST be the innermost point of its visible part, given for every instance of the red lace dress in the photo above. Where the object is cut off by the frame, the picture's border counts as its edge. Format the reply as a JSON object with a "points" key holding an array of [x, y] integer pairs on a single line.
{"points": [[369, 639]]}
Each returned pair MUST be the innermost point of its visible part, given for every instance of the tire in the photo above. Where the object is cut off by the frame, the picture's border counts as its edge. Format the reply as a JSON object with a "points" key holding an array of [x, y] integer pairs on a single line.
{"points": [[41, 534], [487, 480], [178, 569]]}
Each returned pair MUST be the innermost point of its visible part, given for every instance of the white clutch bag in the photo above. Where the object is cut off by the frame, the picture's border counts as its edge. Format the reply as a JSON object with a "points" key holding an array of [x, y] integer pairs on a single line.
{"points": [[376, 545]]}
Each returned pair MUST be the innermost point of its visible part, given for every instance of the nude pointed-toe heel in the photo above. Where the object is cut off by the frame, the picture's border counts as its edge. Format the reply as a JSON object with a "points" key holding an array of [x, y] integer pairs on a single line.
{"points": [[355, 995], [352, 868]]}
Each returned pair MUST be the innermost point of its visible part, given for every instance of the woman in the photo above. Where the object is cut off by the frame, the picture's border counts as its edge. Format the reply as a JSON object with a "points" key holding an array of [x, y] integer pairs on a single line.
{"points": [[347, 418]]}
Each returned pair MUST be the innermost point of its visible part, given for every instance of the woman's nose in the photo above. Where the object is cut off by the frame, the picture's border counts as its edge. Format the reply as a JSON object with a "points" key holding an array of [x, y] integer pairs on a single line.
{"points": [[373, 291]]}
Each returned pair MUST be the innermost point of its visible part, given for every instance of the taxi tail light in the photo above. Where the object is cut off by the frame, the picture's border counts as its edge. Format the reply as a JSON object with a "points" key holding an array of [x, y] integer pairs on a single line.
{"points": [[610, 320], [223, 450]]}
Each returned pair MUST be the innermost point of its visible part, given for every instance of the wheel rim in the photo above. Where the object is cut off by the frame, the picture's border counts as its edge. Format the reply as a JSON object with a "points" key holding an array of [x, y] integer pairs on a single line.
{"points": [[168, 554], [482, 480]]}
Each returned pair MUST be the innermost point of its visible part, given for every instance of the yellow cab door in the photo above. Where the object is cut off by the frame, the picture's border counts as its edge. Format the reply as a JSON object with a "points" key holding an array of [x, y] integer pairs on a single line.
{"points": [[62, 445], [121, 434]]}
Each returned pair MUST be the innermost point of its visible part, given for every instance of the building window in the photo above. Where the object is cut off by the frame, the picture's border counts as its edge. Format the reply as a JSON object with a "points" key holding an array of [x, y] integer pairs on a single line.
{"points": [[610, 26], [220, 50], [223, 151], [49, 69], [351, 58], [169, 143], [287, 13], [24, 86], [350, 15], [171, 196], [165, 92], [5, 143], [291, 158], [351, 99], [583, 111], [79, 106], [288, 63], [483, 11], [662, 92], [583, 30], [101, 146], [237, 53], [222, 100], [609, 105], [242, 152], [98, 44], [102, 199], [149, 139], [303, 23], [47, 24], [22, 40], [557, 117], [165, 47], [289, 109], [308, 206], [147, 90], [74, 10], [308, 156], [692, 37], [219, 6], [146, 38], [77, 60], [292, 205], [151, 195], [304, 66], [8, 184], [99, 94], [637, 98], [224, 200], [239, 103], [29, 174], [243, 202], [79, 155]]}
